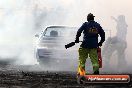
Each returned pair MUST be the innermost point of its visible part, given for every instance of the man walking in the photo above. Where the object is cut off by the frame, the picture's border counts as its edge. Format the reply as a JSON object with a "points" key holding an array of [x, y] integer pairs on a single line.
{"points": [[91, 30]]}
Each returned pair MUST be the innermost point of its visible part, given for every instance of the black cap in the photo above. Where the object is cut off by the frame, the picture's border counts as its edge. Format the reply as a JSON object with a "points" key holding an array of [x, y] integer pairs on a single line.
{"points": [[90, 17]]}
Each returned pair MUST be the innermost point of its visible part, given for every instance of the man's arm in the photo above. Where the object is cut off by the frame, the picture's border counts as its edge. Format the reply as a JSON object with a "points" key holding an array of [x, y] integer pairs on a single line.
{"points": [[79, 33], [102, 35]]}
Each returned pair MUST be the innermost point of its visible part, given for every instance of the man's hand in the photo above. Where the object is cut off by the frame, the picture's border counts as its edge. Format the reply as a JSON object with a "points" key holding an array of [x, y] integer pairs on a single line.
{"points": [[77, 40], [99, 44]]}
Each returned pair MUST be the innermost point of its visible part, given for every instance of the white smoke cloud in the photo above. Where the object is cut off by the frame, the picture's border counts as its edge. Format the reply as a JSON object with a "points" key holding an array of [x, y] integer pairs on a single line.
{"points": [[17, 21], [16, 32]]}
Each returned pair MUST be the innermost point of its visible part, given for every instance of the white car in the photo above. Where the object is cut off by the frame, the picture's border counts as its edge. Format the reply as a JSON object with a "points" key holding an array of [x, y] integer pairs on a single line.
{"points": [[50, 49]]}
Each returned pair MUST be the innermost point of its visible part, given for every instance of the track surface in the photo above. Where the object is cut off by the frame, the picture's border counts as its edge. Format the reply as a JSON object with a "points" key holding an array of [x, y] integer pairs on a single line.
{"points": [[45, 79]]}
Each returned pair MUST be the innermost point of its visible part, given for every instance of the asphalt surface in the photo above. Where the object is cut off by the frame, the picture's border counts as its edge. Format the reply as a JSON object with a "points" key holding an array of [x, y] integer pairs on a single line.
{"points": [[46, 79]]}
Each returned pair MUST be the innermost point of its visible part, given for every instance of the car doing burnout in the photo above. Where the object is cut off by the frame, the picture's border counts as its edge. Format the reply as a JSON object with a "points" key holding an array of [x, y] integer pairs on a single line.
{"points": [[50, 49]]}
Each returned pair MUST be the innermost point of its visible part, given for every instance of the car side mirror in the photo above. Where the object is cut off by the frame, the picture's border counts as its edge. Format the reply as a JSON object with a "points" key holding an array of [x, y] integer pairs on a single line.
{"points": [[37, 35]]}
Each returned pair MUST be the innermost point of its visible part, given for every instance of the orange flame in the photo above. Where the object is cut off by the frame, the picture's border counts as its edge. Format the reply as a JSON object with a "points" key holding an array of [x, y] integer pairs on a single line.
{"points": [[81, 71]]}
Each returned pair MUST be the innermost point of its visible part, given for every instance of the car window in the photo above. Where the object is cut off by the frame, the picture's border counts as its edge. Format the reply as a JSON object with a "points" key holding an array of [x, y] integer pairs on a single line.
{"points": [[60, 32]]}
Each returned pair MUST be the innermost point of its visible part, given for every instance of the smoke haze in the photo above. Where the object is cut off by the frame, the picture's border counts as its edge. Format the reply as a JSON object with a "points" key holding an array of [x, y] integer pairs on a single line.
{"points": [[20, 20]]}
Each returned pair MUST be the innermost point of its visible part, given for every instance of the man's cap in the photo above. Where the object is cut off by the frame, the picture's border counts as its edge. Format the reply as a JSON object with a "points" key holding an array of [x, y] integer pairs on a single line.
{"points": [[90, 15]]}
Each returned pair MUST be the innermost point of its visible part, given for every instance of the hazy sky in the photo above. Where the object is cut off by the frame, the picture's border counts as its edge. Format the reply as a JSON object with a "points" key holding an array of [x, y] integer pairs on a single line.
{"points": [[16, 17]]}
